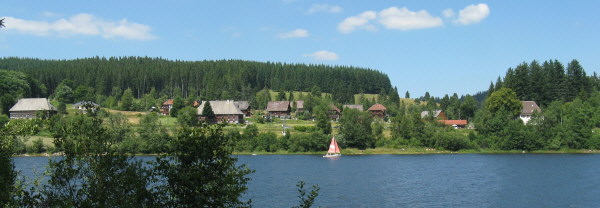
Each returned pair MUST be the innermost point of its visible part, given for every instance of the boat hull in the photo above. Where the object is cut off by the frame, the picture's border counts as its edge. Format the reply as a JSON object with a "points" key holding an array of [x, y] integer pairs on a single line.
{"points": [[332, 155]]}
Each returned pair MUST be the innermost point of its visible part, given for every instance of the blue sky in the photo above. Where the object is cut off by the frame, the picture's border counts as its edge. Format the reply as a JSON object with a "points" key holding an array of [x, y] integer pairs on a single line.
{"points": [[437, 46]]}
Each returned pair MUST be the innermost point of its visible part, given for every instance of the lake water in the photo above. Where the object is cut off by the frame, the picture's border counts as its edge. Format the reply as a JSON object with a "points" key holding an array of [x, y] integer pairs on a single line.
{"points": [[465, 180]]}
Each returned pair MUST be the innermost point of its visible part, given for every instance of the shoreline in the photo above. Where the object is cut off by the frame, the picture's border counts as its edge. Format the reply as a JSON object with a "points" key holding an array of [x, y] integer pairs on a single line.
{"points": [[377, 151]]}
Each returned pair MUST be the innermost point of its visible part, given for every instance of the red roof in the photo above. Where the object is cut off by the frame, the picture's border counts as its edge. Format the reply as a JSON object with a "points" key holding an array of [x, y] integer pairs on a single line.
{"points": [[454, 122], [377, 107], [334, 108], [168, 102]]}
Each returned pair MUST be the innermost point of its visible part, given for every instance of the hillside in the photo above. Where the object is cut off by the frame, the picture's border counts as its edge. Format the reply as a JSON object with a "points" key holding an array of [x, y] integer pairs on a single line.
{"points": [[223, 79]]}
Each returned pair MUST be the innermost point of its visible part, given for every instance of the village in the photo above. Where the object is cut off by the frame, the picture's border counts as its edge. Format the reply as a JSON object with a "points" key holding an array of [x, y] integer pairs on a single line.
{"points": [[238, 112]]}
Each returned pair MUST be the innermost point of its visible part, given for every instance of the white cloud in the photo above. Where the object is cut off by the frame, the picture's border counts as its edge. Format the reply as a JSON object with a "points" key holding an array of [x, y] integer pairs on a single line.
{"points": [[323, 56], [448, 13], [81, 24], [297, 33], [404, 19], [390, 18], [324, 8], [362, 21], [472, 14]]}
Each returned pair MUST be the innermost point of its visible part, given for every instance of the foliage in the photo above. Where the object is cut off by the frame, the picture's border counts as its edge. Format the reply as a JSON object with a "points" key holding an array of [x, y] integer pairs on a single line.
{"points": [[323, 120], [63, 93], [61, 108], [306, 128], [20, 85], [312, 142], [178, 104], [127, 100], [154, 134], [356, 129], [262, 98], [188, 116], [306, 201], [7, 173], [6, 102], [504, 100], [207, 111], [200, 172], [92, 171]]}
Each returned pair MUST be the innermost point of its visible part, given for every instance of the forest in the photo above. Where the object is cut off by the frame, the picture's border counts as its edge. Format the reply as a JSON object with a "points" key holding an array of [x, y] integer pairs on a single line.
{"points": [[205, 80]]}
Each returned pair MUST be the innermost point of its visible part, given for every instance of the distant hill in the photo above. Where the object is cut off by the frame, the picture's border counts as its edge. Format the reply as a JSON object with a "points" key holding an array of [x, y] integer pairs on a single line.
{"points": [[223, 79]]}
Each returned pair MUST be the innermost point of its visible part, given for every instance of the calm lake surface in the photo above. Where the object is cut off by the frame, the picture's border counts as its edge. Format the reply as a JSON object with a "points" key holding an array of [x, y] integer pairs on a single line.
{"points": [[465, 180]]}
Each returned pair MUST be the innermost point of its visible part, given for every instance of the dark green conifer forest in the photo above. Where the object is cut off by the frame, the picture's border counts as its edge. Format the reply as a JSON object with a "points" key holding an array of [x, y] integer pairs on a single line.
{"points": [[209, 80]]}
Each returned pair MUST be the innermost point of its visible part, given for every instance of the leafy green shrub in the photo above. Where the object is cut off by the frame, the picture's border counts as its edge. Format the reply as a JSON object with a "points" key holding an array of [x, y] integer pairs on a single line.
{"points": [[306, 128]]}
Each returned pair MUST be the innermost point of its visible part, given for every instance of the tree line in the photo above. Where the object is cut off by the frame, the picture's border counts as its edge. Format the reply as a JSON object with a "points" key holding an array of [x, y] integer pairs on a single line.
{"points": [[208, 80]]}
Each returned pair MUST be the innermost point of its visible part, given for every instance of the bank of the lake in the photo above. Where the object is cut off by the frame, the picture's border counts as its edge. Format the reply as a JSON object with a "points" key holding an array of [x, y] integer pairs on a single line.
{"points": [[383, 151]]}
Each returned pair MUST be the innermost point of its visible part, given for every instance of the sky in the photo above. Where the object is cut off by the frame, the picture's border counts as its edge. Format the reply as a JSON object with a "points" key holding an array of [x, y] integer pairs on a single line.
{"points": [[438, 46]]}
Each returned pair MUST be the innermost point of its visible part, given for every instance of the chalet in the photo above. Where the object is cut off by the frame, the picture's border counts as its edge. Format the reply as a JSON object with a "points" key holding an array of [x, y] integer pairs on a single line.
{"points": [[377, 110], [528, 108], [29, 107], [280, 109], [299, 106], [224, 110], [165, 109], [357, 107], [84, 106], [334, 112], [244, 106], [437, 114], [196, 103], [455, 123]]}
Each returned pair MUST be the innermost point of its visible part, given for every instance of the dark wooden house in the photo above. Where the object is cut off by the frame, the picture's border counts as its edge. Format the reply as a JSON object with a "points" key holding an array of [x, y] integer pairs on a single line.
{"points": [[279, 109], [378, 110], [225, 112], [165, 109]]}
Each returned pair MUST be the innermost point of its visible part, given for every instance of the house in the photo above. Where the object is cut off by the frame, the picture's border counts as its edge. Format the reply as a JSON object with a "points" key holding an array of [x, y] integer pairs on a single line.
{"points": [[377, 110], [528, 107], [244, 106], [437, 114], [29, 107], [165, 109], [455, 123], [280, 109], [224, 110], [84, 106], [196, 103], [334, 112], [299, 106], [357, 107]]}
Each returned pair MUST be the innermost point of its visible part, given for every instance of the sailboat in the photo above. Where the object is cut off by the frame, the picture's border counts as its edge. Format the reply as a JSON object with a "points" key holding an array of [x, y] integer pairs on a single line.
{"points": [[334, 149]]}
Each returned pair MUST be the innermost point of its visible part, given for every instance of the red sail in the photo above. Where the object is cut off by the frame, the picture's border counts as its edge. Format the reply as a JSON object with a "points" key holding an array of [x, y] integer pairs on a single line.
{"points": [[333, 147]]}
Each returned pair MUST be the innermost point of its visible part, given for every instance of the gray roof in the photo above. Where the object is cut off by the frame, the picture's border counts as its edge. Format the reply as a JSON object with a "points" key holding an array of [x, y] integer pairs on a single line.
{"points": [[242, 105], [529, 107], [221, 107], [32, 104], [278, 106], [357, 107], [299, 104], [85, 103], [435, 113]]}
